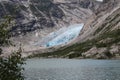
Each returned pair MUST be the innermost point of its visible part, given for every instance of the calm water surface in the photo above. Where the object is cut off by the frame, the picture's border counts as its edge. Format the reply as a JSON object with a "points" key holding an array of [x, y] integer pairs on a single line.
{"points": [[72, 69]]}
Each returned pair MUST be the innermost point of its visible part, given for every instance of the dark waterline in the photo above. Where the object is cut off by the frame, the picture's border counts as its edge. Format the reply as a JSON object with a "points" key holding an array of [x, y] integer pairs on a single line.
{"points": [[72, 69]]}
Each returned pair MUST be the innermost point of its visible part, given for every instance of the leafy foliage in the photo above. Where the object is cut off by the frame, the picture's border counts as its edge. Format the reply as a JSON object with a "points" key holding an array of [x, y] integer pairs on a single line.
{"points": [[11, 66], [4, 32]]}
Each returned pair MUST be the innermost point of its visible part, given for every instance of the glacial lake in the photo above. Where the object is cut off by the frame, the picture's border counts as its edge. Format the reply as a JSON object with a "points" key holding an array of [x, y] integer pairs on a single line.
{"points": [[72, 69]]}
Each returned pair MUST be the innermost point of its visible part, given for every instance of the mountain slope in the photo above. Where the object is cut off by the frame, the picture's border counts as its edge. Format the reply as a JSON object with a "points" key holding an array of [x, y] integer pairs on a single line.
{"points": [[34, 19], [100, 40], [41, 17], [31, 15]]}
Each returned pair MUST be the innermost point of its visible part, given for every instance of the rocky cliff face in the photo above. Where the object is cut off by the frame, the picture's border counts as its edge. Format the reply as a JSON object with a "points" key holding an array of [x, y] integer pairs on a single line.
{"points": [[36, 18], [99, 38], [32, 15], [40, 17]]}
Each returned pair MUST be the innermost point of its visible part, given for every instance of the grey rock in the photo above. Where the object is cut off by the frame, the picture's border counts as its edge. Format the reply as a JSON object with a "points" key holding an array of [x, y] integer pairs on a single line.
{"points": [[115, 50]]}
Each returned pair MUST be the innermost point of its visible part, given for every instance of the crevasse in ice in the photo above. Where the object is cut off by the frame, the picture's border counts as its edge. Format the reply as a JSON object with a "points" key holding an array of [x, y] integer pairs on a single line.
{"points": [[63, 35]]}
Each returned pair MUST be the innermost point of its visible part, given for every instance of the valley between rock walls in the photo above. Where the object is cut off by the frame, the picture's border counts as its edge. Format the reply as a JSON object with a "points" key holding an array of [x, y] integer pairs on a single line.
{"points": [[98, 39]]}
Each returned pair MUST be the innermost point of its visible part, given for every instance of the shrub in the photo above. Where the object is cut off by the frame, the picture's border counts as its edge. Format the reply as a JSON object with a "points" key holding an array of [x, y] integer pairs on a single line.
{"points": [[11, 66]]}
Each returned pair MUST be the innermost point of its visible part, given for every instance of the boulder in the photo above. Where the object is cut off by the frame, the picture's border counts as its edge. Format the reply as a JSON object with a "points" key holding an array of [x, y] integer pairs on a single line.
{"points": [[90, 53], [115, 50], [98, 53]]}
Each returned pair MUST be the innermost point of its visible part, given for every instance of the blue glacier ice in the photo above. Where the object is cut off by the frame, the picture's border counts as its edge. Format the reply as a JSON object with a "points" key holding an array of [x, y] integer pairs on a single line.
{"points": [[64, 36], [61, 36]]}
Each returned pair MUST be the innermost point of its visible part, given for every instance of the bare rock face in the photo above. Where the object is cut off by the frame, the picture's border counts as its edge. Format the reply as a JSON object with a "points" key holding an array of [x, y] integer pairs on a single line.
{"points": [[115, 50], [98, 53], [90, 53], [102, 30], [32, 15], [35, 19]]}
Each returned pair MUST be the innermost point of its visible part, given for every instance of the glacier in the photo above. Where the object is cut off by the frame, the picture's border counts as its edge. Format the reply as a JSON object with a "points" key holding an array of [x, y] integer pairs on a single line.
{"points": [[61, 36], [69, 34]]}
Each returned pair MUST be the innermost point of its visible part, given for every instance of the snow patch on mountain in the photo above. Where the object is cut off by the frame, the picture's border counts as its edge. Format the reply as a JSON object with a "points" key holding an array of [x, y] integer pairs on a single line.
{"points": [[62, 36], [100, 0]]}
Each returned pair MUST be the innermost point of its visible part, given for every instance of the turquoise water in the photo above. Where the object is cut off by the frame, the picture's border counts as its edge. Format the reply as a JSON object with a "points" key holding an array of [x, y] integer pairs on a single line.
{"points": [[72, 69]]}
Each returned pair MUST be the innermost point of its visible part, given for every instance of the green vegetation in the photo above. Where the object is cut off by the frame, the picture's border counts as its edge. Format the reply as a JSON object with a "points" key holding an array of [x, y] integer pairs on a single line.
{"points": [[80, 48], [12, 10], [76, 48], [4, 32], [113, 35], [34, 11], [110, 22], [42, 5], [11, 66], [46, 7], [1, 11], [23, 7]]}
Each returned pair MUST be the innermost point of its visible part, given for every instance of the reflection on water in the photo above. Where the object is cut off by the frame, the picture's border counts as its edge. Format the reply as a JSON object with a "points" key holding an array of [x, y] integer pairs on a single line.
{"points": [[71, 69]]}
